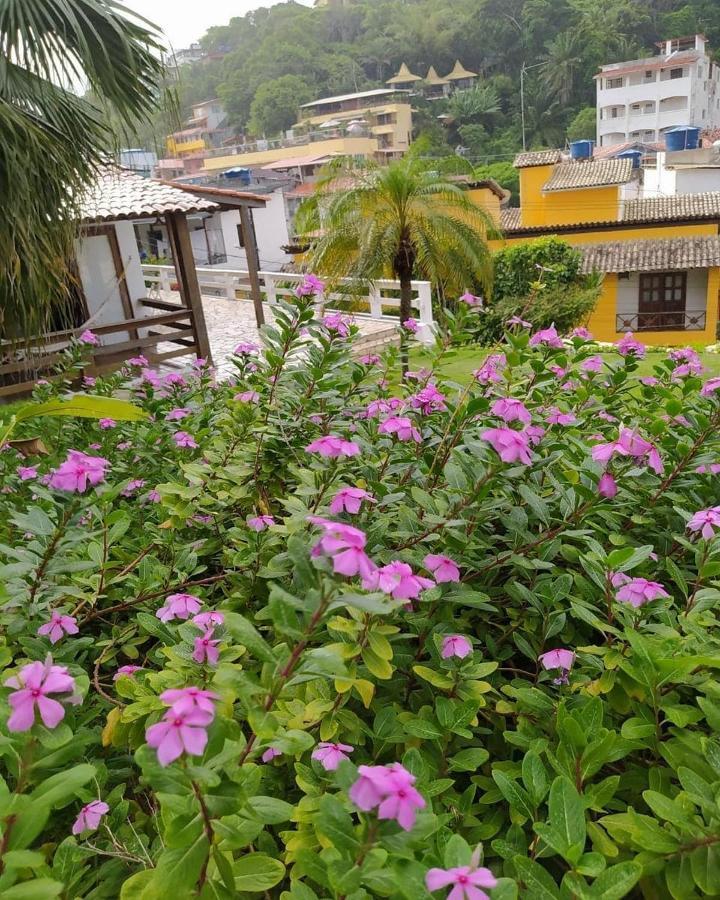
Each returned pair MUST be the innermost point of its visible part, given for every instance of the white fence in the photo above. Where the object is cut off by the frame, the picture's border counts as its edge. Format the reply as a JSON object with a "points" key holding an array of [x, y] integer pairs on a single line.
{"points": [[234, 284]]}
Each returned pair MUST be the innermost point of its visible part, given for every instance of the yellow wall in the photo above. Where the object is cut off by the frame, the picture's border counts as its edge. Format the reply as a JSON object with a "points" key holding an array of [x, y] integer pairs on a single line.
{"points": [[487, 200], [337, 146], [181, 148], [402, 127], [563, 207]]}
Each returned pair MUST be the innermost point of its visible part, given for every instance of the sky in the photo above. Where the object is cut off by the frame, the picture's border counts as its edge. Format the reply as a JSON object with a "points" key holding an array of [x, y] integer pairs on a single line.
{"points": [[184, 21]]}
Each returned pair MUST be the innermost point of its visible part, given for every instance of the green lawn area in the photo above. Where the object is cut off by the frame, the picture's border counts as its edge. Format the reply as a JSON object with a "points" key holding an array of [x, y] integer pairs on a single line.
{"points": [[459, 364]]}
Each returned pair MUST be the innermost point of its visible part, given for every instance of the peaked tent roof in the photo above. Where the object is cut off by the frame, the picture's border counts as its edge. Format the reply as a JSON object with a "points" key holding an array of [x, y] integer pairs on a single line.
{"points": [[459, 71], [403, 76], [432, 77]]}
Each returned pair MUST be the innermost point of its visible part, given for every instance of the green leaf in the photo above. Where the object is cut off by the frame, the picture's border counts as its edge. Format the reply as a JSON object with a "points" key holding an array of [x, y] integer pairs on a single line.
{"points": [[518, 798], [84, 406], [616, 881], [457, 852], [705, 867], [270, 810], [534, 777], [257, 872], [567, 814], [335, 823], [246, 633], [469, 760], [437, 679], [63, 786], [539, 884], [37, 889], [665, 808]]}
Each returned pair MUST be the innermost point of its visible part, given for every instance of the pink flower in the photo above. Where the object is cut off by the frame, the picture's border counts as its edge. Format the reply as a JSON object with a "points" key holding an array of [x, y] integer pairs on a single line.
{"points": [[442, 567], [638, 591], [581, 332], [132, 486], [270, 754], [345, 545], [310, 284], [456, 645], [247, 397], [489, 371], [628, 345], [78, 472], [58, 626], [129, 671], [377, 408], [179, 606], [199, 698], [511, 446], [88, 381], [333, 446], [88, 337], [183, 439], [556, 416], [34, 684], [183, 729], [534, 433], [467, 881], [607, 486], [107, 423], [558, 371], [397, 579], [139, 361], [592, 364], [260, 523], [402, 427], [176, 414], [558, 659], [27, 473], [547, 336], [706, 521], [428, 400], [470, 299], [209, 619], [331, 755], [390, 789], [650, 381], [349, 500], [629, 443], [205, 649], [708, 469], [337, 323], [153, 496], [511, 410], [124, 445], [710, 386], [90, 816], [174, 378], [370, 359], [516, 320], [411, 325]]}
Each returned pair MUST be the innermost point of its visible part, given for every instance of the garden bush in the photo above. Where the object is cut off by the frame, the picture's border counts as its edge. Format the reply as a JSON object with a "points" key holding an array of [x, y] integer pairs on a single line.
{"points": [[307, 635]]}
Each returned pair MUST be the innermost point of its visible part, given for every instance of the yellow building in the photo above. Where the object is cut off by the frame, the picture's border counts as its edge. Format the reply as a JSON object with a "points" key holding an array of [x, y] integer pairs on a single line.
{"points": [[660, 256]]}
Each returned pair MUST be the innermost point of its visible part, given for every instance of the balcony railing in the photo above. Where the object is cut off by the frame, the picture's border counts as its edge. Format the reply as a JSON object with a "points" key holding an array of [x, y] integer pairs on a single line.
{"points": [[681, 320], [297, 140]]}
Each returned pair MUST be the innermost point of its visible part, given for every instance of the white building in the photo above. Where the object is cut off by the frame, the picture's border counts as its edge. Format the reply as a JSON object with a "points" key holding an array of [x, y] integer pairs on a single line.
{"points": [[642, 98], [683, 172]]}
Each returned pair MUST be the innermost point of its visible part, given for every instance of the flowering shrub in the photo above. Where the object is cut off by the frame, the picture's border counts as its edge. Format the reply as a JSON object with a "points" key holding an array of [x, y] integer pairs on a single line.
{"points": [[344, 639]]}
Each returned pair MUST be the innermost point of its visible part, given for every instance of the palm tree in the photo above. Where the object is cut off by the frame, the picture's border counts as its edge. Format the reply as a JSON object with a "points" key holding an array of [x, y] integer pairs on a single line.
{"points": [[52, 141], [561, 65], [403, 220], [476, 105]]}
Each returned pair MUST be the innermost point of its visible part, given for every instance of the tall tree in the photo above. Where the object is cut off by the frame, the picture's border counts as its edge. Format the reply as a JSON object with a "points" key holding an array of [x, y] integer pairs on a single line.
{"points": [[403, 220], [561, 64], [52, 141]]}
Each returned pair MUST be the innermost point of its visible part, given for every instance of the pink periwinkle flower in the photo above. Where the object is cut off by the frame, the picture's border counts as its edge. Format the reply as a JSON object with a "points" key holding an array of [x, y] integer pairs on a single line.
{"points": [[402, 427], [183, 439], [90, 816], [490, 371], [710, 387], [510, 445], [370, 359], [176, 414], [556, 416], [592, 364], [377, 408], [260, 523], [174, 378], [411, 325], [547, 336], [127, 671], [139, 361], [153, 496], [629, 443], [246, 348], [418, 374], [456, 645], [124, 445], [558, 371], [132, 486], [470, 299], [89, 381], [332, 446], [247, 397], [582, 333], [58, 626], [466, 881], [27, 473], [179, 606], [398, 580], [33, 685], [183, 729], [650, 381], [199, 698], [708, 469], [89, 337], [331, 755], [270, 754], [511, 410], [607, 486], [558, 659], [338, 324], [349, 500], [442, 567], [628, 345], [428, 400], [638, 591], [390, 790], [345, 545], [210, 619], [310, 284], [107, 423], [706, 521], [78, 472], [205, 649]]}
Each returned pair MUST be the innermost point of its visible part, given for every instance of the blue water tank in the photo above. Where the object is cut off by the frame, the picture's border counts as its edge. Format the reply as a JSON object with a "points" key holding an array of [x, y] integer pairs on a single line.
{"points": [[634, 155], [684, 137], [243, 175], [581, 149]]}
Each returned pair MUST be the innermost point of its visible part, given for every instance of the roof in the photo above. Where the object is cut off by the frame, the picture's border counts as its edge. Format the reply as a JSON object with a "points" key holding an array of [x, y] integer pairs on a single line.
{"points": [[120, 194], [649, 64], [459, 71], [537, 158], [510, 219], [323, 100], [171, 164], [652, 256], [221, 195], [187, 132], [569, 176], [294, 162], [403, 76], [647, 147], [478, 183], [432, 77]]}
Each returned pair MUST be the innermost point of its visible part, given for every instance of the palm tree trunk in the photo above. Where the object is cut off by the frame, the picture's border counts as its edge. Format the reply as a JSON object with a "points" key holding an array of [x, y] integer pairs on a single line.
{"points": [[405, 313]]}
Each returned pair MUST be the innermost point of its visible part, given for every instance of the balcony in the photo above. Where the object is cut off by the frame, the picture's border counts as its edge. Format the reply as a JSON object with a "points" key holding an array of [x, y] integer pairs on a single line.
{"points": [[682, 320]]}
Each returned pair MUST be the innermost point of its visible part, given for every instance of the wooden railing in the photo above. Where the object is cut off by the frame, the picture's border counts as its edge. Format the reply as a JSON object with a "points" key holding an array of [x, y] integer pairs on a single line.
{"points": [[233, 284]]}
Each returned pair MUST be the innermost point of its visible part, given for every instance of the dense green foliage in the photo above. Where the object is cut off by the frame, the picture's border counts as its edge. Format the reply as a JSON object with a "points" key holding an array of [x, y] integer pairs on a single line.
{"points": [[595, 780], [548, 261]]}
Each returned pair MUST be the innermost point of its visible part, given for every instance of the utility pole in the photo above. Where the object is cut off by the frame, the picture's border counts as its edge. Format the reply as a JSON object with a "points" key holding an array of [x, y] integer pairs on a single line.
{"points": [[523, 70]]}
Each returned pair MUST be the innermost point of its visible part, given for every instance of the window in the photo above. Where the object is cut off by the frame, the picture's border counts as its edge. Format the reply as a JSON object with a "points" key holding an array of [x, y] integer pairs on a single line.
{"points": [[649, 75], [661, 301], [676, 73], [613, 82]]}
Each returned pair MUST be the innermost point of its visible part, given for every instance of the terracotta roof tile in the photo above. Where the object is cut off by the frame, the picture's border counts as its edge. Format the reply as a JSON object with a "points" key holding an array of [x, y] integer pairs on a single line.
{"points": [[568, 176], [509, 219], [678, 206], [652, 255], [537, 158]]}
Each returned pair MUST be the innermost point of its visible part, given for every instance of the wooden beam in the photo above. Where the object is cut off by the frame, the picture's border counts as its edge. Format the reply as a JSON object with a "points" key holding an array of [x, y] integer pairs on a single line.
{"points": [[253, 262], [187, 278]]}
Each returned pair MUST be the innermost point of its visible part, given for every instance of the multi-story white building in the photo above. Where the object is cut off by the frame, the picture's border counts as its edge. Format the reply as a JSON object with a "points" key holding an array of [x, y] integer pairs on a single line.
{"points": [[641, 99]]}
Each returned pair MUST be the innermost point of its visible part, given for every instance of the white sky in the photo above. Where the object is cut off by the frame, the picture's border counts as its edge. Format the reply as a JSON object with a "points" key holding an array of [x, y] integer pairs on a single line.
{"points": [[184, 21]]}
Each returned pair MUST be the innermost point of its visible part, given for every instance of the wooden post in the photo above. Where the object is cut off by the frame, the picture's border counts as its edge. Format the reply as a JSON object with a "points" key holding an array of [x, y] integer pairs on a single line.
{"points": [[187, 279], [253, 262]]}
